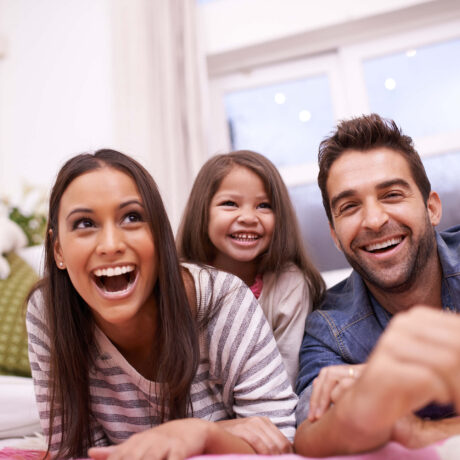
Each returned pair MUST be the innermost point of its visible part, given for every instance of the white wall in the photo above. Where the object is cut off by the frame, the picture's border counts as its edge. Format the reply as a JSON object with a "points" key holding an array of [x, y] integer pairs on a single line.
{"points": [[56, 88], [231, 24]]}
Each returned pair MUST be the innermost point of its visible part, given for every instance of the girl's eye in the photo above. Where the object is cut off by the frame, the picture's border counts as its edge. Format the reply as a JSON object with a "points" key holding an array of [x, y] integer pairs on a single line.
{"points": [[132, 217], [83, 223], [228, 203], [265, 205]]}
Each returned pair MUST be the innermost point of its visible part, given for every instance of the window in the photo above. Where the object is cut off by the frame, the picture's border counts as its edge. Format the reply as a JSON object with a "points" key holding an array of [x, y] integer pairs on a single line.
{"points": [[283, 111]]}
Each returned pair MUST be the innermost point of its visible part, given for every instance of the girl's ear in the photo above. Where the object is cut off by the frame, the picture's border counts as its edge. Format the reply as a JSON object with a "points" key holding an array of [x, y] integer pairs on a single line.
{"points": [[58, 257]]}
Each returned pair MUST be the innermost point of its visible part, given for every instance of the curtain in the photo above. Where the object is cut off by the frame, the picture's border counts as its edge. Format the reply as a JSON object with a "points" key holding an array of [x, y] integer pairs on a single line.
{"points": [[160, 82]]}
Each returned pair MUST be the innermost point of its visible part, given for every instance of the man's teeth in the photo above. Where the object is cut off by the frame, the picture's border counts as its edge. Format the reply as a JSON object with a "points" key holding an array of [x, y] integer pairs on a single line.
{"points": [[245, 236], [383, 244], [114, 271]]}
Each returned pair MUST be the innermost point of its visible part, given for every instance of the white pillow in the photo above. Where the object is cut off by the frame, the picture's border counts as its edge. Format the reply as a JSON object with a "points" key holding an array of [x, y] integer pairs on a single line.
{"points": [[18, 414]]}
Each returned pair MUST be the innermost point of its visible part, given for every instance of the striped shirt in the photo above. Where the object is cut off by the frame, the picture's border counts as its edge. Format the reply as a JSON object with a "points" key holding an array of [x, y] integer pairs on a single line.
{"points": [[241, 373]]}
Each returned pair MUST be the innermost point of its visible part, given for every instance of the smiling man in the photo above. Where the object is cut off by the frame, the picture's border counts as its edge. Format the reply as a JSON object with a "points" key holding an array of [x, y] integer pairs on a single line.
{"points": [[382, 216]]}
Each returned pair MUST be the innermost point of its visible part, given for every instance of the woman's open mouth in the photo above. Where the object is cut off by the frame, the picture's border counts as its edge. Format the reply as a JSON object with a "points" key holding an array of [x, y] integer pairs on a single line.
{"points": [[115, 281]]}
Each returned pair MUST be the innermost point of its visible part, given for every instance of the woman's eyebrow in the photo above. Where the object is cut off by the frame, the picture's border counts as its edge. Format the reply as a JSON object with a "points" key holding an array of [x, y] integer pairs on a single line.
{"points": [[79, 210], [130, 202]]}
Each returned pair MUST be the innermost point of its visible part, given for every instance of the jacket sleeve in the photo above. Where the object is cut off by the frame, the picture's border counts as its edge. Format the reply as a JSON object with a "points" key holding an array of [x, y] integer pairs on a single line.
{"points": [[291, 305], [320, 348]]}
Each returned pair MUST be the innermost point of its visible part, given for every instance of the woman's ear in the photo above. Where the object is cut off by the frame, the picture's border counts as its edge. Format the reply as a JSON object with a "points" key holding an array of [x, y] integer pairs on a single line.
{"points": [[59, 259]]}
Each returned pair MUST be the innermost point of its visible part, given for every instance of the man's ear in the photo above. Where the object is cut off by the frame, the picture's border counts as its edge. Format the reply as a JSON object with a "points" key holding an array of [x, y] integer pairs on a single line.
{"points": [[58, 258], [334, 237], [434, 207]]}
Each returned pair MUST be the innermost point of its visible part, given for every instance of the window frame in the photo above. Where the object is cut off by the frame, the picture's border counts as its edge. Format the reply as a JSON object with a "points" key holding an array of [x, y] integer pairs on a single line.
{"points": [[344, 69]]}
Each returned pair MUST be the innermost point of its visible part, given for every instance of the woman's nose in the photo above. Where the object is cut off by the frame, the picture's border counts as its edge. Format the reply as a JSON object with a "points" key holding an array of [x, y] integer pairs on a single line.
{"points": [[111, 240]]}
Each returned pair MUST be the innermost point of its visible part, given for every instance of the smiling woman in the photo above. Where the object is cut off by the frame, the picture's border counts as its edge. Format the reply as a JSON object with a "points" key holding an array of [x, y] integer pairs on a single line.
{"points": [[141, 343]]}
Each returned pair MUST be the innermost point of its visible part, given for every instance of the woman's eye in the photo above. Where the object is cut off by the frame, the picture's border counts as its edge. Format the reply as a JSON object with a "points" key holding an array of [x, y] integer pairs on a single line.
{"points": [[132, 217], [265, 205], [83, 223]]}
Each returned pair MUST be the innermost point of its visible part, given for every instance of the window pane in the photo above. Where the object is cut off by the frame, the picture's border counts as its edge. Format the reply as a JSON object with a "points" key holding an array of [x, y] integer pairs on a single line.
{"points": [[285, 122], [444, 172], [419, 88], [315, 228]]}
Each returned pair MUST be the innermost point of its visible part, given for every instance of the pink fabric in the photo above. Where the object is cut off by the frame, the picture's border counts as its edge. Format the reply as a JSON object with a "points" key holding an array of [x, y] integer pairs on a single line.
{"points": [[21, 454], [256, 288], [391, 451]]}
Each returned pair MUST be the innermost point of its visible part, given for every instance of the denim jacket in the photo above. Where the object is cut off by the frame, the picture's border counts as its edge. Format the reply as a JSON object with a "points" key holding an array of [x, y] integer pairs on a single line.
{"points": [[350, 321]]}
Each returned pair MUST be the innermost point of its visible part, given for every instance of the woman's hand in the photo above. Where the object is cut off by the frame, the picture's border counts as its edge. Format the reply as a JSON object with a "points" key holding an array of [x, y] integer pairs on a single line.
{"points": [[329, 386], [260, 433], [174, 440]]}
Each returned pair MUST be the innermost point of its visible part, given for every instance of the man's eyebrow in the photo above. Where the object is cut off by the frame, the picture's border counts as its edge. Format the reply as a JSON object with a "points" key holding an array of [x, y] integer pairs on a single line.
{"points": [[392, 182], [345, 194], [382, 186]]}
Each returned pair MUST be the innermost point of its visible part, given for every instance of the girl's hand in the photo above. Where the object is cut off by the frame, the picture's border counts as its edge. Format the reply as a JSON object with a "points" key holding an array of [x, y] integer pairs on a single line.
{"points": [[330, 384], [174, 440], [260, 433]]}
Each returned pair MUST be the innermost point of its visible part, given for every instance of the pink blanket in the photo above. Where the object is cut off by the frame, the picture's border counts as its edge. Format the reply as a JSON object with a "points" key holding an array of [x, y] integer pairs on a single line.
{"points": [[391, 451]]}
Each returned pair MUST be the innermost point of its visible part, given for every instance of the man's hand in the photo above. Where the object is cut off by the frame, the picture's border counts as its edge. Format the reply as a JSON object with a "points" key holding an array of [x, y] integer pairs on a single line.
{"points": [[328, 387], [415, 433], [415, 362], [260, 433]]}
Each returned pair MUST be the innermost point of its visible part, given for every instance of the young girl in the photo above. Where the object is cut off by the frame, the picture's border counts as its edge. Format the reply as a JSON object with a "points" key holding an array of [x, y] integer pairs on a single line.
{"points": [[122, 338], [239, 218]]}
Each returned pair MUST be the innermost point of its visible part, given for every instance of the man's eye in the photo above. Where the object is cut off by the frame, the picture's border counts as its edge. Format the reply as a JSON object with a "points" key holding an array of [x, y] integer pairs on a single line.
{"points": [[347, 207], [83, 223], [393, 195], [265, 205]]}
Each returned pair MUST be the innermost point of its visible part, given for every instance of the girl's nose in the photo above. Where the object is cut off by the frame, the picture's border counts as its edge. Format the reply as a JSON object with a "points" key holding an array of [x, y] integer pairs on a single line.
{"points": [[111, 241], [247, 216]]}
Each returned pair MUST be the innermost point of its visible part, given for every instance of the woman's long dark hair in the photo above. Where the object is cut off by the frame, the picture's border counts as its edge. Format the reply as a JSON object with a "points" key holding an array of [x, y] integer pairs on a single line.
{"points": [[286, 245], [71, 325]]}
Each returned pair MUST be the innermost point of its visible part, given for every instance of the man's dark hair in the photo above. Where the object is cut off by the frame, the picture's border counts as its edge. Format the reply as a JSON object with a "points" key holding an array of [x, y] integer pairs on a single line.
{"points": [[366, 133]]}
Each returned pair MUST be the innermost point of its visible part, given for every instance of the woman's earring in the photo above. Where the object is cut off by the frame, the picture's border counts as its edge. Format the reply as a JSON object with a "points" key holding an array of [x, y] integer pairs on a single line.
{"points": [[61, 264]]}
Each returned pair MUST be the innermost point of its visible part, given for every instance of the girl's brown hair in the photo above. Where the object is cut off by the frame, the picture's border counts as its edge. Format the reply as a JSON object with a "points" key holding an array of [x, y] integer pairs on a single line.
{"points": [[71, 326], [286, 245]]}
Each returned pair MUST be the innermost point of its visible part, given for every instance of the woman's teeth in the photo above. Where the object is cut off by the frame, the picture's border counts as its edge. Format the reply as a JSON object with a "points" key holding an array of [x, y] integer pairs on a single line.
{"points": [[114, 271], [115, 279]]}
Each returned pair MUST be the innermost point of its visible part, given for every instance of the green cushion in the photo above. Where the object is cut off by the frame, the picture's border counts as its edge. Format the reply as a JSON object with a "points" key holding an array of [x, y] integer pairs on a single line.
{"points": [[13, 337]]}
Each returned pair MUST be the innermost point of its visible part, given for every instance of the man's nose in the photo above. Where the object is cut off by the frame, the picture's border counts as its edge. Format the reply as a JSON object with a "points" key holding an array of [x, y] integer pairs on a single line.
{"points": [[375, 215]]}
